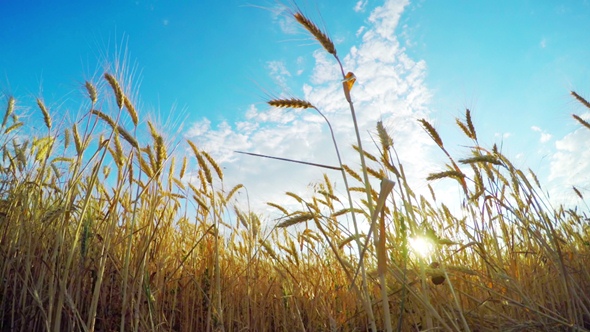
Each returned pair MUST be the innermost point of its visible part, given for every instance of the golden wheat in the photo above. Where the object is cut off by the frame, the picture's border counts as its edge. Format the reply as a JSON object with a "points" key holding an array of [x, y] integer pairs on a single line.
{"points": [[432, 132], [352, 173], [9, 110], [233, 191], [581, 99], [201, 162], [13, 127], [384, 138], [280, 208], [326, 43], [482, 159], [158, 258], [127, 136], [182, 168], [298, 218], [131, 110], [92, 94], [445, 174], [46, 116], [290, 103], [581, 121], [116, 89], [214, 164]]}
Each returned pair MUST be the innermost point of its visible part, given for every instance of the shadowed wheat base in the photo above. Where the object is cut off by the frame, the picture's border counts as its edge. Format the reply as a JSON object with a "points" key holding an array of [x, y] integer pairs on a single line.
{"points": [[148, 250]]}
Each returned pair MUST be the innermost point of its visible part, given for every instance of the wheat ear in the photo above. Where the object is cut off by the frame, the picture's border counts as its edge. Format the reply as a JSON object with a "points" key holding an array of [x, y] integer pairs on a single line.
{"points": [[46, 116], [9, 110], [326, 43], [580, 99], [92, 94], [290, 103], [116, 88]]}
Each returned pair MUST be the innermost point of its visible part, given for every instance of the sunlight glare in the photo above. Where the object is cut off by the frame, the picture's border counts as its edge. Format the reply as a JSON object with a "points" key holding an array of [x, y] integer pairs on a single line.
{"points": [[421, 246]]}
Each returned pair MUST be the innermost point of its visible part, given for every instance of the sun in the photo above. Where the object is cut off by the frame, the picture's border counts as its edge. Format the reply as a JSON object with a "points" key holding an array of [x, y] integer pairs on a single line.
{"points": [[421, 246]]}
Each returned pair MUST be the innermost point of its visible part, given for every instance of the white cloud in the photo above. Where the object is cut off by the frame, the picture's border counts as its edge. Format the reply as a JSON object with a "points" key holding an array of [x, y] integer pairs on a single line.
{"points": [[360, 31], [545, 137], [390, 87], [570, 166], [279, 73], [288, 26], [360, 5], [502, 135], [543, 42]]}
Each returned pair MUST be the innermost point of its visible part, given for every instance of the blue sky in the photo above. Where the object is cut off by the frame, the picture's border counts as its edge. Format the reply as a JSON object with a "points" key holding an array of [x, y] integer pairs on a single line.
{"points": [[211, 65]]}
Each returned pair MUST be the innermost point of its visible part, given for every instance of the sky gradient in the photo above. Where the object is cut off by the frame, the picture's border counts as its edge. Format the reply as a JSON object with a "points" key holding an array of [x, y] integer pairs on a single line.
{"points": [[204, 70]]}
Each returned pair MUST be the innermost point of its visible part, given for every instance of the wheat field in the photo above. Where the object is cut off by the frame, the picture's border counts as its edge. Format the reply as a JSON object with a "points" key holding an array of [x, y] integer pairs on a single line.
{"points": [[104, 228]]}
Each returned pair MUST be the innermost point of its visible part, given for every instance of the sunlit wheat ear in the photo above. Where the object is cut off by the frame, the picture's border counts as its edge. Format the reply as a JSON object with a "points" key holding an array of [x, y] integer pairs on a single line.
{"points": [[488, 158], [581, 99], [270, 251], [233, 191], [92, 94], [46, 116], [432, 132], [201, 162], [580, 120], [384, 138], [77, 140], [365, 153], [468, 128], [183, 168], [9, 110], [290, 103], [463, 127], [352, 173], [124, 133], [116, 88], [104, 117], [145, 167], [131, 110], [276, 206], [326, 43], [159, 147], [213, 163], [299, 218], [446, 174], [118, 154], [126, 136], [13, 127], [148, 150]]}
